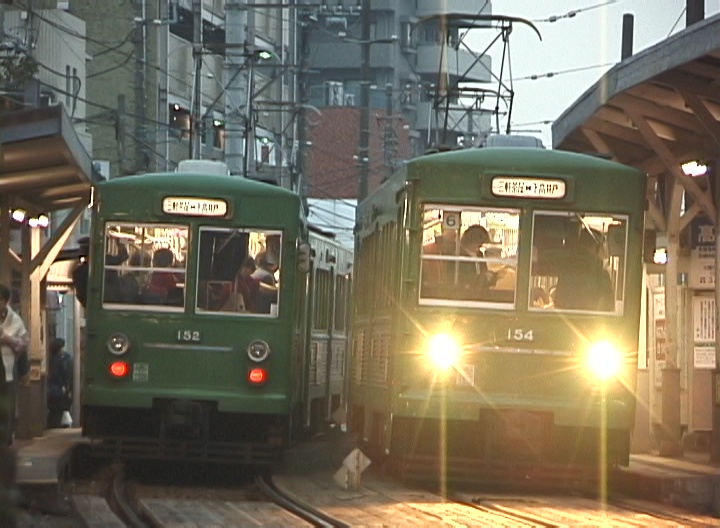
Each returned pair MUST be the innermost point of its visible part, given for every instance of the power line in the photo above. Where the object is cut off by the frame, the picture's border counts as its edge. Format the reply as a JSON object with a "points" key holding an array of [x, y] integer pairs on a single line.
{"points": [[677, 21], [574, 12], [550, 75]]}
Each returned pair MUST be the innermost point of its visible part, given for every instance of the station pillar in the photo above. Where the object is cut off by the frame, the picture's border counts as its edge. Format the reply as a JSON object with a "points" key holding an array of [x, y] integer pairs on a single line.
{"points": [[670, 443]]}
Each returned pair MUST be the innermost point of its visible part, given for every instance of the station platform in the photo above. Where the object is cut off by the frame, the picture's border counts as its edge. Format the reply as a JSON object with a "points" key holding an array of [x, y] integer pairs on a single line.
{"points": [[45, 460], [691, 481]]}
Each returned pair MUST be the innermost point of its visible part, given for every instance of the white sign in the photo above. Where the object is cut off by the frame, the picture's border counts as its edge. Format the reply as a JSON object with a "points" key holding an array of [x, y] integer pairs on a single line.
{"points": [[519, 187], [701, 274], [704, 357], [704, 332], [194, 206], [348, 476], [356, 461], [703, 319]]}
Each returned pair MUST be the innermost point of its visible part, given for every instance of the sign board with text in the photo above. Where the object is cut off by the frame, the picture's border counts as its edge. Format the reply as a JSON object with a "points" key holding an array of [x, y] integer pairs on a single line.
{"points": [[702, 254]]}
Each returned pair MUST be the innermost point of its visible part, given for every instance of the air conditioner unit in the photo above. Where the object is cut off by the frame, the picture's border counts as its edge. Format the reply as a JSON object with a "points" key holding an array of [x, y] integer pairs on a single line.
{"points": [[338, 23], [47, 98]]}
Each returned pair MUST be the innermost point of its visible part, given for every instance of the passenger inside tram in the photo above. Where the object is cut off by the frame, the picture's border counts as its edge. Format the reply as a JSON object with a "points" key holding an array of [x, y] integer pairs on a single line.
{"points": [[585, 284]]}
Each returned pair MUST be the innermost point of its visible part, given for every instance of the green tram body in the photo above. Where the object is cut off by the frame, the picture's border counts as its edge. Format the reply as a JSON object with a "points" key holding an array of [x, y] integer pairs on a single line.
{"points": [[182, 387], [519, 392]]}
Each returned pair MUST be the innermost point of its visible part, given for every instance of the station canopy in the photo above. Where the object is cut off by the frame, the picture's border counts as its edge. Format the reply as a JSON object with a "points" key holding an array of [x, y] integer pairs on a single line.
{"points": [[43, 165], [655, 110], [44, 168]]}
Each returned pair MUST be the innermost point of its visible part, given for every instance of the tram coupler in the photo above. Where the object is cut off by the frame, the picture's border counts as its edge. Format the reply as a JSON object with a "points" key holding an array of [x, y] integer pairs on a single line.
{"points": [[183, 418]]}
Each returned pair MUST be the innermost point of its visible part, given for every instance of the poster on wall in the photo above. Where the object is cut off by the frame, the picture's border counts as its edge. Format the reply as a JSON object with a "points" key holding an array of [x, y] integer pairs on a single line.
{"points": [[658, 336], [704, 332]]}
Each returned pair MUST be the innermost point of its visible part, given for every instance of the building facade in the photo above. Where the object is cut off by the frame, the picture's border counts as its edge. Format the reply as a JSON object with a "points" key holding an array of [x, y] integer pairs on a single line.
{"points": [[413, 78]]}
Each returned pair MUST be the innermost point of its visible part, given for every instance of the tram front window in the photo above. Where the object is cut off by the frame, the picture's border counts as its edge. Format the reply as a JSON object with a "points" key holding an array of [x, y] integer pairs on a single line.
{"points": [[239, 271], [145, 266], [578, 261], [469, 255]]}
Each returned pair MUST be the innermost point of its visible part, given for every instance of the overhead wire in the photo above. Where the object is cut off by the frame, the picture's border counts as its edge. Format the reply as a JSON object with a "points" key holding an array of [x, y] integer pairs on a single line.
{"points": [[574, 12], [550, 75], [677, 21]]}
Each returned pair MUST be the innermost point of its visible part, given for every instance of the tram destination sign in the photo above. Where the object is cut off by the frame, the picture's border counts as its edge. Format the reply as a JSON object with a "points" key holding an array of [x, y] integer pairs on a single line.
{"points": [[187, 206], [521, 187]]}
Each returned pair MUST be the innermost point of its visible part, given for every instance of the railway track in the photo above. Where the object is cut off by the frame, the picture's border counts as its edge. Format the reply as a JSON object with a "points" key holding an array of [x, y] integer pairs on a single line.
{"points": [[266, 504], [315, 500], [299, 508], [557, 511]]}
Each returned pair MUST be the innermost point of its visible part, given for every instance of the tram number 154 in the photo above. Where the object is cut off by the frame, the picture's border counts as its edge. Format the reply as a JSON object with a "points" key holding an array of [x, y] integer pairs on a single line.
{"points": [[520, 334]]}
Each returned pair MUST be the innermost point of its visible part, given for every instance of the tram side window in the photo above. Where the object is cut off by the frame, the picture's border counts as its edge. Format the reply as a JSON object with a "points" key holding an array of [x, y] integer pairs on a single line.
{"points": [[238, 271], [578, 262], [363, 303], [469, 255], [145, 264], [321, 301], [342, 294]]}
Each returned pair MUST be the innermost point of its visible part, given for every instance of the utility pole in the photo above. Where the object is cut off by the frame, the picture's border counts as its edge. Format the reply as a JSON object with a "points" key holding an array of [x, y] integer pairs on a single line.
{"points": [[162, 136], [715, 389], [139, 37], [364, 154], [248, 133], [300, 182], [195, 114], [235, 94], [390, 138]]}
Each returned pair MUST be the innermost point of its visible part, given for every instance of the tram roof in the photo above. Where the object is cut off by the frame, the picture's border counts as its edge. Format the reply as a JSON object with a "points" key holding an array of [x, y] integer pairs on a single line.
{"points": [[518, 159], [659, 105], [43, 165], [198, 183]]}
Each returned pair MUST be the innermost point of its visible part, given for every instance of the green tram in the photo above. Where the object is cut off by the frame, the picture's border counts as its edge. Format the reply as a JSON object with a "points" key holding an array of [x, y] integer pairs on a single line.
{"points": [[216, 320], [496, 314]]}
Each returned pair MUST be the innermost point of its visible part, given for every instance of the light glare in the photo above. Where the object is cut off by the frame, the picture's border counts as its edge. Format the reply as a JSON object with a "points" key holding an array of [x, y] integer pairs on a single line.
{"points": [[604, 360], [444, 350], [693, 168]]}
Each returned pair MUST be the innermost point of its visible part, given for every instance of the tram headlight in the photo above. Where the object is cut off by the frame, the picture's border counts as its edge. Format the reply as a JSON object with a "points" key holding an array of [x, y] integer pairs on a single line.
{"points": [[444, 350], [258, 351], [604, 360], [117, 344]]}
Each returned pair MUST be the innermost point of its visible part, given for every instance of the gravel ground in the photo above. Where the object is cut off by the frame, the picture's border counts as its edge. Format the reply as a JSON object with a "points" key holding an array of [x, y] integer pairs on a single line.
{"points": [[44, 509]]}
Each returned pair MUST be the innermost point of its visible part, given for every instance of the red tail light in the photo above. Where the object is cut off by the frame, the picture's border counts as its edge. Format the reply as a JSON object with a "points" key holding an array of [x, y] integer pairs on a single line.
{"points": [[119, 369], [257, 376]]}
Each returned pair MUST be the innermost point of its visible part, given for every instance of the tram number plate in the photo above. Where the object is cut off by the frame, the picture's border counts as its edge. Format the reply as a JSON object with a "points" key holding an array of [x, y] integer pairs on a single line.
{"points": [[465, 376], [188, 336], [141, 372]]}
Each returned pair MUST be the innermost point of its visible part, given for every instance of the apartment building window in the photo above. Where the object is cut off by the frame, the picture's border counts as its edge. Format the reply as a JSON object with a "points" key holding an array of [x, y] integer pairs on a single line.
{"points": [[179, 121], [408, 94], [407, 35], [218, 133]]}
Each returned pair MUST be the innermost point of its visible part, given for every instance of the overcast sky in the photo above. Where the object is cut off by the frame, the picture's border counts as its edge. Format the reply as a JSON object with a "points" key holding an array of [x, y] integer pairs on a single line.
{"points": [[577, 50]]}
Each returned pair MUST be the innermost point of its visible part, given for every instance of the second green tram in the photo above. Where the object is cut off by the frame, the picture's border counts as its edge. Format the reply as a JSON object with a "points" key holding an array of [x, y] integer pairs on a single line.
{"points": [[496, 313]]}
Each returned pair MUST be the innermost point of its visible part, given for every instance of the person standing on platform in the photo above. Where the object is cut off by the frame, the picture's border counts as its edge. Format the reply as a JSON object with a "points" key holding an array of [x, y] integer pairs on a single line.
{"points": [[59, 384], [14, 340], [80, 271]]}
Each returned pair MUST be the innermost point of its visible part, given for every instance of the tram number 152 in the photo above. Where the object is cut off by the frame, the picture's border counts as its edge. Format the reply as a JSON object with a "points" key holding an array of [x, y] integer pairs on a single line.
{"points": [[520, 334], [188, 335]]}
